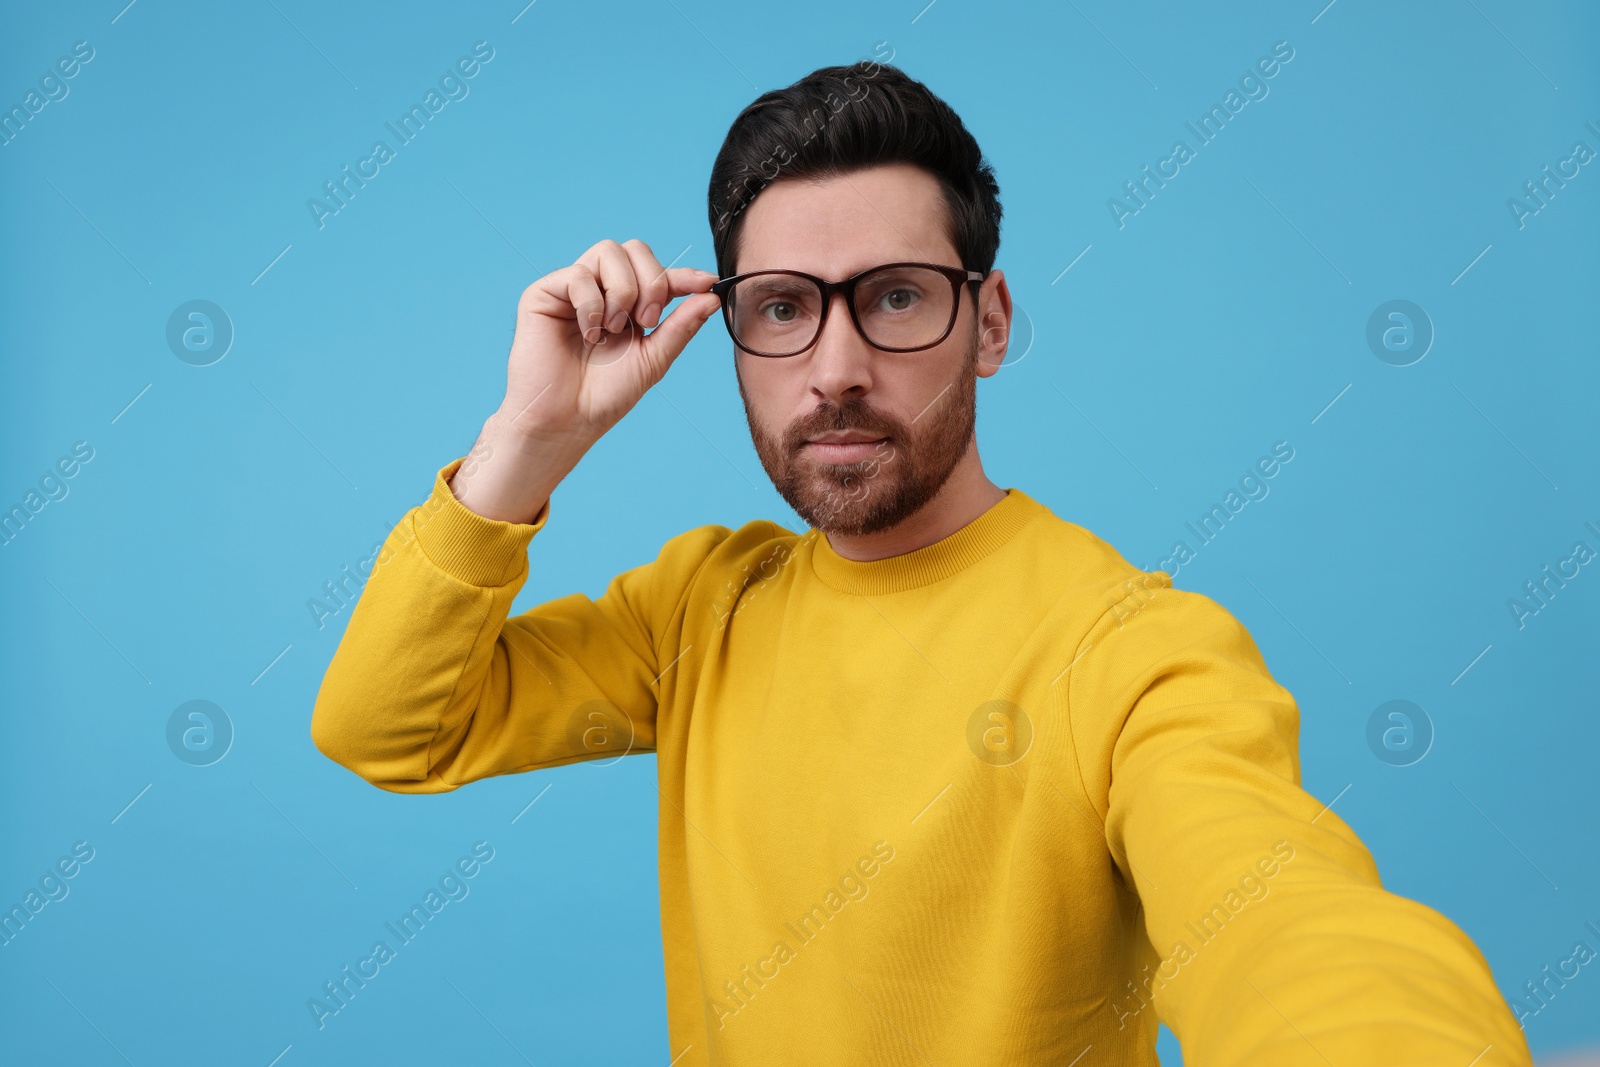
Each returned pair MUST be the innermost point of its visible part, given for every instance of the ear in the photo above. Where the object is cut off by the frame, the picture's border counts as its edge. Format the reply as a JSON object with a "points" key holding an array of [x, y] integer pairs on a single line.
{"points": [[994, 323]]}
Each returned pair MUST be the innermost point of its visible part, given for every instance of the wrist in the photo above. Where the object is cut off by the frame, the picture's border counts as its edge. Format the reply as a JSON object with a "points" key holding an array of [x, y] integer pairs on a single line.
{"points": [[506, 430], [509, 474]]}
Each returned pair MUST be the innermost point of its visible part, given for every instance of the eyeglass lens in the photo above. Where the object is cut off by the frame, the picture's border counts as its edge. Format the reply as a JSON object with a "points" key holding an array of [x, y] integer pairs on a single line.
{"points": [[898, 307]]}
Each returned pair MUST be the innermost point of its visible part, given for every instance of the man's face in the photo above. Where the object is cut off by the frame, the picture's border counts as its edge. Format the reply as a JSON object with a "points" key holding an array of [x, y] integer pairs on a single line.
{"points": [[923, 405]]}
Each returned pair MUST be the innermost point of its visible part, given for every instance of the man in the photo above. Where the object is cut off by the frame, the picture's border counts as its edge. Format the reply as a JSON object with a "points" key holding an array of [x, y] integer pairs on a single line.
{"points": [[944, 780]]}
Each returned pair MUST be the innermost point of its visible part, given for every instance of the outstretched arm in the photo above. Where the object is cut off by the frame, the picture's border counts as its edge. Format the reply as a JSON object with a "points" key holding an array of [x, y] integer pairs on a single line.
{"points": [[1275, 943]]}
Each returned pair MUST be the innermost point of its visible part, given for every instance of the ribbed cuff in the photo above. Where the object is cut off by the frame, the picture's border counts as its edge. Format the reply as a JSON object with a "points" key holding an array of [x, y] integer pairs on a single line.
{"points": [[474, 549]]}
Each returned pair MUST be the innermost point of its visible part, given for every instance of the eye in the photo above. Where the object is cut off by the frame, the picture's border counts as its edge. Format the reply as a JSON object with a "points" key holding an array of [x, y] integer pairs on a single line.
{"points": [[898, 299], [784, 311]]}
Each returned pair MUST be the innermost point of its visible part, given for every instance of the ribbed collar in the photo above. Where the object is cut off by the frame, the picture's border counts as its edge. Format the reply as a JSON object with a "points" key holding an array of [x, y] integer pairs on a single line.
{"points": [[931, 563]]}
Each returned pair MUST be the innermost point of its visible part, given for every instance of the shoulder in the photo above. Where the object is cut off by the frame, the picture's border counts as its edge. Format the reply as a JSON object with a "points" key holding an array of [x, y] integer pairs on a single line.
{"points": [[715, 553], [721, 546], [1134, 616], [1084, 567]]}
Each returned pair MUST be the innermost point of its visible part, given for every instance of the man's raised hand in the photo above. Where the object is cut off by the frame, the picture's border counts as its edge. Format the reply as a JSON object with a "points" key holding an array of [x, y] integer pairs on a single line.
{"points": [[580, 360]]}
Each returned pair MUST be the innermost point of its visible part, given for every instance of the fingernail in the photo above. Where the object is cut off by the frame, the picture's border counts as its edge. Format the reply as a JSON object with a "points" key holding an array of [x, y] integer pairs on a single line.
{"points": [[651, 314], [618, 321]]}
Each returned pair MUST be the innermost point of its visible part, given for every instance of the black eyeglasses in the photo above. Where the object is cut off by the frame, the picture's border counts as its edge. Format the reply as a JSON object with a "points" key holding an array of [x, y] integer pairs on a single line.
{"points": [[896, 307]]}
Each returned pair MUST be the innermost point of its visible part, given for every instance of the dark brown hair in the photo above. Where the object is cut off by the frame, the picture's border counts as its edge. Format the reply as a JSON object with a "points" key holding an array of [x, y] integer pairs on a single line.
{"points": [[841, 119]]}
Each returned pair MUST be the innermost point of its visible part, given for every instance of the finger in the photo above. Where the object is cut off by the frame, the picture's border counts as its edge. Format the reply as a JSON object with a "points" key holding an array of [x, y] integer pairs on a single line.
{"points": [[667, 340], [574, 293], [569, 293], [614, 270], [587, 302], [681, 281], [652, 278]]}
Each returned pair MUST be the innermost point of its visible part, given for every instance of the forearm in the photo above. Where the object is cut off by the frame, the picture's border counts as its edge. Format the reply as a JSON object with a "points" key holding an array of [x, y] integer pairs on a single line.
{"points": [[1349, 974], [511, 471], [1292, 952]]}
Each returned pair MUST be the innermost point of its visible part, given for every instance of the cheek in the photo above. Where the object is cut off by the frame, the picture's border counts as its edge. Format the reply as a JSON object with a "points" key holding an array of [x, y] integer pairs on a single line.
{"points": [[778, 396]]}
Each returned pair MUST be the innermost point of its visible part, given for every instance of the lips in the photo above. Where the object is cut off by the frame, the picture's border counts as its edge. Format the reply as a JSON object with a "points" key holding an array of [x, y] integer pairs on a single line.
{"points": [[854, 448], [848, 437]]}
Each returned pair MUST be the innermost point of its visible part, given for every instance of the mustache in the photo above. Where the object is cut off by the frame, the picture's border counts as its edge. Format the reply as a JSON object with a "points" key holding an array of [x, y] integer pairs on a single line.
{"points": [[842, 418]]}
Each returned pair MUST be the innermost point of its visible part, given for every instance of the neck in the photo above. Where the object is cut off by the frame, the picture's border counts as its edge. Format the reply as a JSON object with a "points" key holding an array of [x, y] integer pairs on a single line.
{"points": [[965, 495]]}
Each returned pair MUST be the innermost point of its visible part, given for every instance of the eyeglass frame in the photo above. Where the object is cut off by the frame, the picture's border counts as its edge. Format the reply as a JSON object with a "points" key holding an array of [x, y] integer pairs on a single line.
{"points": [[956, 275]]}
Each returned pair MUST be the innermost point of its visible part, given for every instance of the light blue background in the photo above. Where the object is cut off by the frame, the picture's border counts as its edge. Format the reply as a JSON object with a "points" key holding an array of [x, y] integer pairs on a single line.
{"points": [[1225, 316]]}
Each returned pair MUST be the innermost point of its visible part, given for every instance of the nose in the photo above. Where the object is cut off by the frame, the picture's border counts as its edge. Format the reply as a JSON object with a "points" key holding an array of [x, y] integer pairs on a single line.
{"points": [[841, 359]]}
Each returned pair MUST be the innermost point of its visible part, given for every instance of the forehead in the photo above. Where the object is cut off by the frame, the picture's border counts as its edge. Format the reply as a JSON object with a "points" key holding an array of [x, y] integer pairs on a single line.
{"points": [[834, 227]]}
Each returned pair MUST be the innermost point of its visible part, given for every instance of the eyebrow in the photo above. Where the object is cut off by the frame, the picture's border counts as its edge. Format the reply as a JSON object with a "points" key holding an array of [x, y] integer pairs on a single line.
{"points": [[779, 281]]}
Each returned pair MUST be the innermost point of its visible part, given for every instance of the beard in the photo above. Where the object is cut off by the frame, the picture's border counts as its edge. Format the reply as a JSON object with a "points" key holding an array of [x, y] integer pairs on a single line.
{"points": [[883, 490]]}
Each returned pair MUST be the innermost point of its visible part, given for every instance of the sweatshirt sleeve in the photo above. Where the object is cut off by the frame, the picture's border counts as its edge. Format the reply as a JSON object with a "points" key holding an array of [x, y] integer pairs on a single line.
{"points": [[432, 686], [1276, 942]]}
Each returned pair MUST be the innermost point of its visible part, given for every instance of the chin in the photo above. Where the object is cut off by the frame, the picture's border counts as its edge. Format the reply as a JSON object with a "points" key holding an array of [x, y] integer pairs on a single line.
{"points": [[863, 506]]}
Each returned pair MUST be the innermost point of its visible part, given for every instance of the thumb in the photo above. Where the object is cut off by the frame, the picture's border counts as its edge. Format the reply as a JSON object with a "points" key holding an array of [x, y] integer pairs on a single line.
{"points": [[668, 339]]}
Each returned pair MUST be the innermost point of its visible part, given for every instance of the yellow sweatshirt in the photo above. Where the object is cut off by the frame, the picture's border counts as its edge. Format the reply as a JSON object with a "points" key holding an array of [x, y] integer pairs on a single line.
{"points": [[1006, 799]]}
